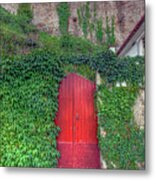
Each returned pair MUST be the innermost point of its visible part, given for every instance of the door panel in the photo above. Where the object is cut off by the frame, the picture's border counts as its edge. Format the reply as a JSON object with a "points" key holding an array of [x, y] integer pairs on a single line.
{"points": [[76, 117]]}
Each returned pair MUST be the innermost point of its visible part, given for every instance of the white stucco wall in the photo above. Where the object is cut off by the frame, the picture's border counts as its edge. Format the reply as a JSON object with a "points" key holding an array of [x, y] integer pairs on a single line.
{"points": [[133, 51], [137, 49]]}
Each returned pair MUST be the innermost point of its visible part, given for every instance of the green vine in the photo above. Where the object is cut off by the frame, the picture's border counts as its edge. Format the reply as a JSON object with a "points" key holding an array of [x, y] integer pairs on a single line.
{"points": [[113, 39], [29, 90], [121, 142], [99, 31], [14, 30], [110, 31], [84, 18], [81, 69], [25, 10], [93, 24], [63, 13], [29, 93]]}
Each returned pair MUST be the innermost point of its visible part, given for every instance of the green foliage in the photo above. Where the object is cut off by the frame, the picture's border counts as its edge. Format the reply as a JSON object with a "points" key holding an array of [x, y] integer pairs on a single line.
{"points": [[113, 39], [131, 70], [10, 42], [114, 69], [79, 17], [29, 89], [24, 16], [25, 11], [99, 31], [95, 10], [110, 31], [81, 69], [84, 18], [107, 31], [50, 42], [121, 142], [67, 44], [14, 33], [123, 145], [75, 45], [20, 22], [28, 92], [63, 13], [90, 23]]}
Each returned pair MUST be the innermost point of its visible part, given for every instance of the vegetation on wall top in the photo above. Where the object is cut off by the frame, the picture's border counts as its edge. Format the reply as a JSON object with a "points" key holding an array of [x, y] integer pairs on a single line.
{"points": [[25, 11], [14, 32]]}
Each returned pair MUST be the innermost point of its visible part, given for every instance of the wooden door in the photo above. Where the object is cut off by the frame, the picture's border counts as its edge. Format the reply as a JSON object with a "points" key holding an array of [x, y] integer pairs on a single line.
{"points": [[76, 117]]}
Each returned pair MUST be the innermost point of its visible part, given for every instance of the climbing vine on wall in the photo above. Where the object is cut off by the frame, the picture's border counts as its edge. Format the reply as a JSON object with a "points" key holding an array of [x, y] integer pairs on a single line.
{"points": [[84, 18], [90, 23], [24, 9], [63, 13], [121, 141], [28, 93], [29, 90], [110, 31], [14, 30], [99, 30]]}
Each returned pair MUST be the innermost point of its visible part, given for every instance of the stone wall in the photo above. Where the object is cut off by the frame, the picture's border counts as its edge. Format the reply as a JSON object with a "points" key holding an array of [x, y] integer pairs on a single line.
{"points": [[45, 17], [12, 8], [126, 13], [139, 109]]}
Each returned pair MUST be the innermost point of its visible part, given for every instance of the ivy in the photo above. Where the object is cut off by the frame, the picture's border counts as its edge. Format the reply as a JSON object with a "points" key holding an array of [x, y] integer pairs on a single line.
{"points": [[110, 34], [84, 18], [90, 23], [14, 31], [25, 15], [113, 39], [99, 31], [114, 69], [121, 142], [63, 13], [29, 90], [28, 93], [24, 10], [81, 69]]}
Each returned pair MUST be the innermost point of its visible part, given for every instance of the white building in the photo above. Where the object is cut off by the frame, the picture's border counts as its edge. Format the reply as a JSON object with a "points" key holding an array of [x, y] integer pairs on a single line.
{"points": [[135, 42]]}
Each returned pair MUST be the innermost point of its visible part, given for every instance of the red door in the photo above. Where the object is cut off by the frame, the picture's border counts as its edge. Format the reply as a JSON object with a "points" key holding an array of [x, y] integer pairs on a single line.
{"points": [[76, 117]]}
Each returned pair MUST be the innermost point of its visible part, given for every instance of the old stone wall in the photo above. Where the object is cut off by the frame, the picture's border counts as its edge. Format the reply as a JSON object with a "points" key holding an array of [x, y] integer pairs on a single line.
{"points": [[12, 8], [45, 17], [126, 13], [139, 109]]}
